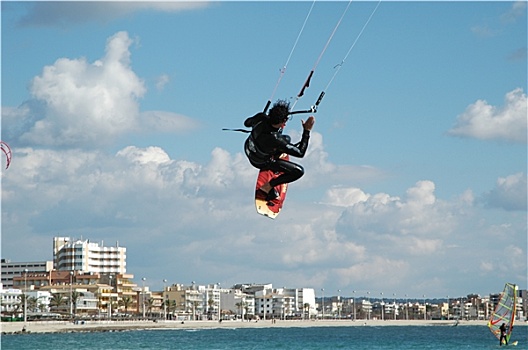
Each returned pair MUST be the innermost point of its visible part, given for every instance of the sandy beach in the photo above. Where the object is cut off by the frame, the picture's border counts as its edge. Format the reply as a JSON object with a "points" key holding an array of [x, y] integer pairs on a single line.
{"points": [[118, 326]]}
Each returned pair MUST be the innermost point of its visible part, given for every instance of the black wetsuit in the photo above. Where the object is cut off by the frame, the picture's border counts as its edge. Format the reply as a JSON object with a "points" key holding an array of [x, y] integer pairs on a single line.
{"points": [[265, 144], [503, 334]]}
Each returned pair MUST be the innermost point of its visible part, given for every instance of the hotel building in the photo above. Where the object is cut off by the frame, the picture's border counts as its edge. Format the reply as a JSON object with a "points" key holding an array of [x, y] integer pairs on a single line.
{"points": [[86, 256]]}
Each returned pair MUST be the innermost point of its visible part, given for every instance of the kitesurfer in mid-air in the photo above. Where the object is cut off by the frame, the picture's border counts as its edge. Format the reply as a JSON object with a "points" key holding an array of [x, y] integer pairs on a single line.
{"points": [[266, 143]]}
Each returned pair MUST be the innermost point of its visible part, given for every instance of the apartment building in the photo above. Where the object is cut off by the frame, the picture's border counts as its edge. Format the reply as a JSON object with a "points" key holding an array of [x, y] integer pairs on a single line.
{"points": [[82, 255], [237, 304], [10, 301], [283, 302], [16, 269]]}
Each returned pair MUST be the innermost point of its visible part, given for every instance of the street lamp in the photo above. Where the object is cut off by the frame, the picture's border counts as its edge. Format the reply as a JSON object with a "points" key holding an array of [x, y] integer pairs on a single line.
{"points": [[354, 302], [164, 300], [322, 290], [71, 294], [394, 306], [406, 307], [448, 307], [382, 313], [143, 296], [369, 307], [193, 302], [425, 309], [219, 299], [110, 298], [25, 295], [338, 303]]}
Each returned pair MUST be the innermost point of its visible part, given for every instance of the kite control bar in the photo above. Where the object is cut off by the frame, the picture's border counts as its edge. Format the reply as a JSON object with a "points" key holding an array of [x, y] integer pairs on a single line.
{"points": [[312, 109]]}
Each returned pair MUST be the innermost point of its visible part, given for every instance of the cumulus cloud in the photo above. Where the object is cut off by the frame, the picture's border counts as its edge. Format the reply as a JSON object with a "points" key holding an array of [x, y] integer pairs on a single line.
{"points": [[153, 155], [182, 211], [338, 174], [345, 197], [418, 213], [87, 102], [77, 103], [509, 193], [486, 122], [61, 13]]}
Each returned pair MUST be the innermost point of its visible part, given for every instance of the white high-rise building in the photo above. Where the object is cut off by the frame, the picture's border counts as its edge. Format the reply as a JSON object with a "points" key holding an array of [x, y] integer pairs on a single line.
{"points": [[83, 255]]}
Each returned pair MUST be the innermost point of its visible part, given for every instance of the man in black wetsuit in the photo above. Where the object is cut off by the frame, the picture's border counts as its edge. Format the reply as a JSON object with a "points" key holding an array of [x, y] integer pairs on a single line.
{"points": [[266, 143], [502, 329]]}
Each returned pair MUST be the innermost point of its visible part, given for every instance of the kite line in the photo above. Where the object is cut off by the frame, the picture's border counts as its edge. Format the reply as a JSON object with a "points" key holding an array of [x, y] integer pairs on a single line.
{"points": [[283, 69], [313, 108]]}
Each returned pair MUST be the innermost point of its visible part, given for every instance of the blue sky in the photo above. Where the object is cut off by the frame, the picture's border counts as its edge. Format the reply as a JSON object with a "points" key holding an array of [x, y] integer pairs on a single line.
{"points": [[416, 171]]}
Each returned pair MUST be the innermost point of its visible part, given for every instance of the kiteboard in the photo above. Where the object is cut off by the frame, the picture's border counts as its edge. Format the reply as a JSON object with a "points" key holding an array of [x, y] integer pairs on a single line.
{"points": [[271, 208], [515, 343]]}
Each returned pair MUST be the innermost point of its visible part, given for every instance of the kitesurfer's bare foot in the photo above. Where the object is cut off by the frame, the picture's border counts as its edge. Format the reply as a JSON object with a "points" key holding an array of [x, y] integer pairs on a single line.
{"points": [[266, 187], [271, 193]]}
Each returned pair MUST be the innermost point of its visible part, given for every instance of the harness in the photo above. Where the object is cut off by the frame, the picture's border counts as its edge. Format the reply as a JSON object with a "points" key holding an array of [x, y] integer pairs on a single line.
{"points": [[254, 153]]}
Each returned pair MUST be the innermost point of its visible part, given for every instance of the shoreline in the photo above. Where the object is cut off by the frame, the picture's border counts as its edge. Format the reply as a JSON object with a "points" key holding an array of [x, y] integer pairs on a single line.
{"points": [[7, 328]]}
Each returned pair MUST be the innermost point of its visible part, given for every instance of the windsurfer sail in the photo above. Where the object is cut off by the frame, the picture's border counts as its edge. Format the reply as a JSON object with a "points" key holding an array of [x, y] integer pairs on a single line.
{"points": [[504, 314]]}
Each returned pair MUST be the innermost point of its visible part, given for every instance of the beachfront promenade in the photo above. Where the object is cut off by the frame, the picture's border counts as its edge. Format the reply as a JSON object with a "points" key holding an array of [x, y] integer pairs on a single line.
{"points": [[116, 326]]}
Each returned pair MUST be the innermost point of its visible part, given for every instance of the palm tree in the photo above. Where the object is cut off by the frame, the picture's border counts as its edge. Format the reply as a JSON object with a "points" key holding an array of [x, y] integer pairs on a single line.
{"points": [[246, 307], [307, 309], [239, 306], [16, 309], [149, 303], [57, 301], [74, 299], [23, 301], [210, 303], [126, 302], [195, 305], [32, 304], [171, 306], [41, 307]]}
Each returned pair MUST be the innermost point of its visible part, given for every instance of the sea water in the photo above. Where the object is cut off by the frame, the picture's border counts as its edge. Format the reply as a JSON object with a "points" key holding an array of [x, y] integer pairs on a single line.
{"points": [[359, 337]]}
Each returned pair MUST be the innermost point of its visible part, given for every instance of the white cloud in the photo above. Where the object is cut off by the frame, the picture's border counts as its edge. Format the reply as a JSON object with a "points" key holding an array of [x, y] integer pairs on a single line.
{"points": [[484, 121], [87, 103], [345, 197], [517, 10], [82, 104], [162, 81], [177, 211], [338, 174], [510, 193], [153, 155], [167, 122], [419, 214]]}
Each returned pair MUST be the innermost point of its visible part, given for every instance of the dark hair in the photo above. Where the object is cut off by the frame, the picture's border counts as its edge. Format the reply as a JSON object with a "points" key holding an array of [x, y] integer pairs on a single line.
{"points": [[279, 112]]}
